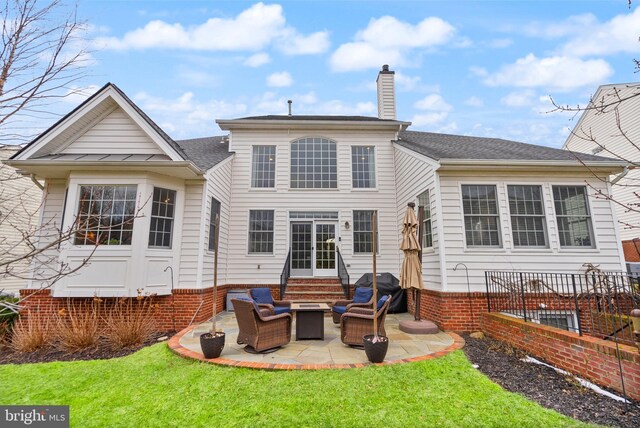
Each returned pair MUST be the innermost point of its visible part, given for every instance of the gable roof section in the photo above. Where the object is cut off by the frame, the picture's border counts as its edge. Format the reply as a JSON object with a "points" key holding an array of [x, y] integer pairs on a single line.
{"points": [[206, 152], [317, 117], [92, 109], [459, 147]]}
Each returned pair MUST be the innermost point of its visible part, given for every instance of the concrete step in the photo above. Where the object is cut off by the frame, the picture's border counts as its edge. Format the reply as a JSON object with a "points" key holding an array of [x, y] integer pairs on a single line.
{"points": [[312, 296], [314, 287], [329, 281]]}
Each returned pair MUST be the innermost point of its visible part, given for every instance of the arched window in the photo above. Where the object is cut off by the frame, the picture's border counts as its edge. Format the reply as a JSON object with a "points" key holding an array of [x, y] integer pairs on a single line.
{"points": [[313, 164]]}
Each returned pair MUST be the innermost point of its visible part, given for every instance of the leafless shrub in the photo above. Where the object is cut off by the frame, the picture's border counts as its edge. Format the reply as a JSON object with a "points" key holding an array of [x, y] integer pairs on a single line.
{"points": [[28, 334], [130, 322], [77, 326]]}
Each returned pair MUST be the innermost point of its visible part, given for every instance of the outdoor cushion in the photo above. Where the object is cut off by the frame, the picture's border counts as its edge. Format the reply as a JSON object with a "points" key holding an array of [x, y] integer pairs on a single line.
{"points": [[262, 296], [249, 299], [362, 295], [339, 309], [381, 302], [281, 310]]}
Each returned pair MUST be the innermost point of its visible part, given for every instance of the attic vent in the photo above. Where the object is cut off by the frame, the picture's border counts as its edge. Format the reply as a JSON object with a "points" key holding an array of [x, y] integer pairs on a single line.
{"points": [[597, 150]]}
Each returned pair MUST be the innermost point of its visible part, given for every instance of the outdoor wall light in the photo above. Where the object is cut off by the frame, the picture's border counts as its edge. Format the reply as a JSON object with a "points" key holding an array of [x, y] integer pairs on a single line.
{"points": [[635, 319], [347, 225]]}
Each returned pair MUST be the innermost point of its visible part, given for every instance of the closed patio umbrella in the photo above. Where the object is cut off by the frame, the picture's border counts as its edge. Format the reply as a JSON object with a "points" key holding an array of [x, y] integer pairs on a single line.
{"points": [[411, 273]]}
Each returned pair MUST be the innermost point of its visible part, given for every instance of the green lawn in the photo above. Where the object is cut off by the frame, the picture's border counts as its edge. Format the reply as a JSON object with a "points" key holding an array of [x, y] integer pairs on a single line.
{"points": [[153, 387]]}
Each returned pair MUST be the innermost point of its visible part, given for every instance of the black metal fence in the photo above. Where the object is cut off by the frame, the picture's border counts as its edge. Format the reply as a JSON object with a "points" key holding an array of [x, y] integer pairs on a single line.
{"points": [[593, 302]]}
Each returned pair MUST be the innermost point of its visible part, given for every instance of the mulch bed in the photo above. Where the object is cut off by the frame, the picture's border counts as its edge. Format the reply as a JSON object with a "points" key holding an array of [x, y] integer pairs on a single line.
{"points": [[502, 364], [102, 351]]}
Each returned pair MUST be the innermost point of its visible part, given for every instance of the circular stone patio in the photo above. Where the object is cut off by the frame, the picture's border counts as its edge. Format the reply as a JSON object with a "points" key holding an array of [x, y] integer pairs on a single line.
{"points": [[329, 353]]}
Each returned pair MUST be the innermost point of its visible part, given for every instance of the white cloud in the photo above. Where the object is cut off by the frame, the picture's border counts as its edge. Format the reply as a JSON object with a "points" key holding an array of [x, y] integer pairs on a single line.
{"points": [[280, 80], [478, 71], [253, 29], [499, 43], [620, 34], [557, 73], [552, 30], [387, 40], [433, 102], [256, 60], [428, 119], [298, 44], [474, 101], [76, 95], [518, 98]]}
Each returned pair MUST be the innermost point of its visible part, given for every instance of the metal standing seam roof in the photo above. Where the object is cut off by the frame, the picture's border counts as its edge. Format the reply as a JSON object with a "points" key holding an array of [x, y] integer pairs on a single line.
{"points": [[445, 146]]}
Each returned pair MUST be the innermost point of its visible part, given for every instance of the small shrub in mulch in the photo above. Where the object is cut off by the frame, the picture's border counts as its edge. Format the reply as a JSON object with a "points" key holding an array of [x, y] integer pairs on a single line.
{"points": [[77, 326], [503, 364], [130, 322]]}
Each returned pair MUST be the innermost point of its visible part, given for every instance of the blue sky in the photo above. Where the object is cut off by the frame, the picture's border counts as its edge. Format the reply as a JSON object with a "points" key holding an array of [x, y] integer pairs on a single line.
{"points": [[481, 68]]}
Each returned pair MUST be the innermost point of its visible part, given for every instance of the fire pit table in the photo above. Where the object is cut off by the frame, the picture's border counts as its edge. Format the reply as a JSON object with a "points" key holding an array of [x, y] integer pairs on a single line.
{"points": [[310, 320]]}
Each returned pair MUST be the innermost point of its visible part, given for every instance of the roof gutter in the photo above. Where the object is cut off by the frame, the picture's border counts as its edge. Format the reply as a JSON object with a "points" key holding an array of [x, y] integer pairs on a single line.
{"points": [[147, 164], [534, 163], [228, 125], [621, 175], [36, 182]]}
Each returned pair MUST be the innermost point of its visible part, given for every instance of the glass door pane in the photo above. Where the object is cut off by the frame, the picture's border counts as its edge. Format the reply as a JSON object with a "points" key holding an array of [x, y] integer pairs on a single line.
{"points": [[301, 249], [325, 249]]}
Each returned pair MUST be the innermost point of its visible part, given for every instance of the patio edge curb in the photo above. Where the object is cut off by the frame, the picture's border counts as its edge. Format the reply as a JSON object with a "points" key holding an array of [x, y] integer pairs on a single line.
{"points": [[178, 349]]}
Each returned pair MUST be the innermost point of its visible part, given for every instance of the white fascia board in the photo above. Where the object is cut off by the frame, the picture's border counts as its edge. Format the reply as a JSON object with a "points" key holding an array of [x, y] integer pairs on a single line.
{"points": [[605, 166], [229, 125]]}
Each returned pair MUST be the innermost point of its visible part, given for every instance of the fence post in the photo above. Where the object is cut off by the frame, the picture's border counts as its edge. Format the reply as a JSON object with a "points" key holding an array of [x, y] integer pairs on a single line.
{"points": [[524, 302], [486, 282], [575, 300]]}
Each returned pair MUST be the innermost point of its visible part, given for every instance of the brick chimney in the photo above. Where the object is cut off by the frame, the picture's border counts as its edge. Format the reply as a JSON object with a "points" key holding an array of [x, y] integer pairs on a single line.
{"points": [[386, 93]]}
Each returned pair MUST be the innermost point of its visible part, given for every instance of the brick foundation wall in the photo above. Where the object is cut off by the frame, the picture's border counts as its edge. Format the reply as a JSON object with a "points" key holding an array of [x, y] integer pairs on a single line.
{"points": [[588, 357], [185, 305], [459, 312]]}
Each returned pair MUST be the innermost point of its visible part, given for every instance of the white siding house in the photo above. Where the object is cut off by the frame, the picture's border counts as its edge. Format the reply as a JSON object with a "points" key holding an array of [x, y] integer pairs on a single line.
{"points": [[608, 127], [296, 193], [20, 200]]}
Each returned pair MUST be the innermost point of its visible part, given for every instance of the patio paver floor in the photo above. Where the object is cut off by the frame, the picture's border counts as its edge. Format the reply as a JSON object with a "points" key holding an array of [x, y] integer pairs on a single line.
{"points": [[330, 353]]}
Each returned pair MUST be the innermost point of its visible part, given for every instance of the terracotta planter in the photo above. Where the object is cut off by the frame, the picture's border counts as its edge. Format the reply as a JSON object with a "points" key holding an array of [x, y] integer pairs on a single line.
{"points": [[375, 351], [212, 344]]}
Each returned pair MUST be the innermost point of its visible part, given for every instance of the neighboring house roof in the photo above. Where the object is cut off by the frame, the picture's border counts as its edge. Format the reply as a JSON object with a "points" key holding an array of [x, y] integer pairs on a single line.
{"points": [[446, 146], [206, 152]]}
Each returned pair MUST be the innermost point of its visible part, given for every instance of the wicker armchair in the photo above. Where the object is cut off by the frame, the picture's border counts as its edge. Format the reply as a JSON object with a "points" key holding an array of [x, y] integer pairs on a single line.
{"points": [[362, 298], [359, 322], [260, 333], [264, 299]]}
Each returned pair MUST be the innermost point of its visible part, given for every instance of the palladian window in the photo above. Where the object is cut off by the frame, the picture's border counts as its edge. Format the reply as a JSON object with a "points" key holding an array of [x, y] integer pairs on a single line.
{"points": [[314, 164]]}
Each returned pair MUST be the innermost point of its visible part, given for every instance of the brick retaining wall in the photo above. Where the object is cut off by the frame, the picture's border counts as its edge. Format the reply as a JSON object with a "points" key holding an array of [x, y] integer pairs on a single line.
{"points": [[588, 357], [459, 312]]}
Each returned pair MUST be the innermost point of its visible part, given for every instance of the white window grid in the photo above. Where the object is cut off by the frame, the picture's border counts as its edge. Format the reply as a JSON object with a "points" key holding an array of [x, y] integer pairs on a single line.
{"points": [[263, 167], [573, 216], [528, 224], [363, 167], [424, 201], [215, 209], [106, 214], [260, 231], [162, 216], [481, 218], [363, 231], [314, 164]]}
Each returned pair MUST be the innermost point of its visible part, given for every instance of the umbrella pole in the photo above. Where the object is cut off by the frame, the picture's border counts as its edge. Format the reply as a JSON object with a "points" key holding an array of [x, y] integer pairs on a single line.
{"points": [[215, 272], [375, 283]]}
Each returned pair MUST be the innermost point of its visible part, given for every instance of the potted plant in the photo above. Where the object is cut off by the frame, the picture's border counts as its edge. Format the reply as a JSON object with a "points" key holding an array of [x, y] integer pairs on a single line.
{"points": [[375, 345], [212, 342]]}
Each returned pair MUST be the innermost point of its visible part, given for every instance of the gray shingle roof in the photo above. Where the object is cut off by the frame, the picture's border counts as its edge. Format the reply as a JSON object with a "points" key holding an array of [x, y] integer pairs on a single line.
{"points": [[317, 117], [206, 152], [445, 146]]}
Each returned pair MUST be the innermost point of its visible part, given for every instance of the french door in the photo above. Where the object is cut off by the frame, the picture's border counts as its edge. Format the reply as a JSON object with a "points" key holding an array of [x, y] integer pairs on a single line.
{"points": [[313, 248]]}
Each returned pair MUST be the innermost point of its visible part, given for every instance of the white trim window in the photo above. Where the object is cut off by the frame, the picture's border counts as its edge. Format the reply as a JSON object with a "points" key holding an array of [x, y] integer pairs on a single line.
{"points": [[481, 217], [573, 216], [528, 223], [424, 201], [263, 167], [363, 231], [363, 167], [261, 232], [314, 164], [163, 210], [215, 209], [106, 214]]}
